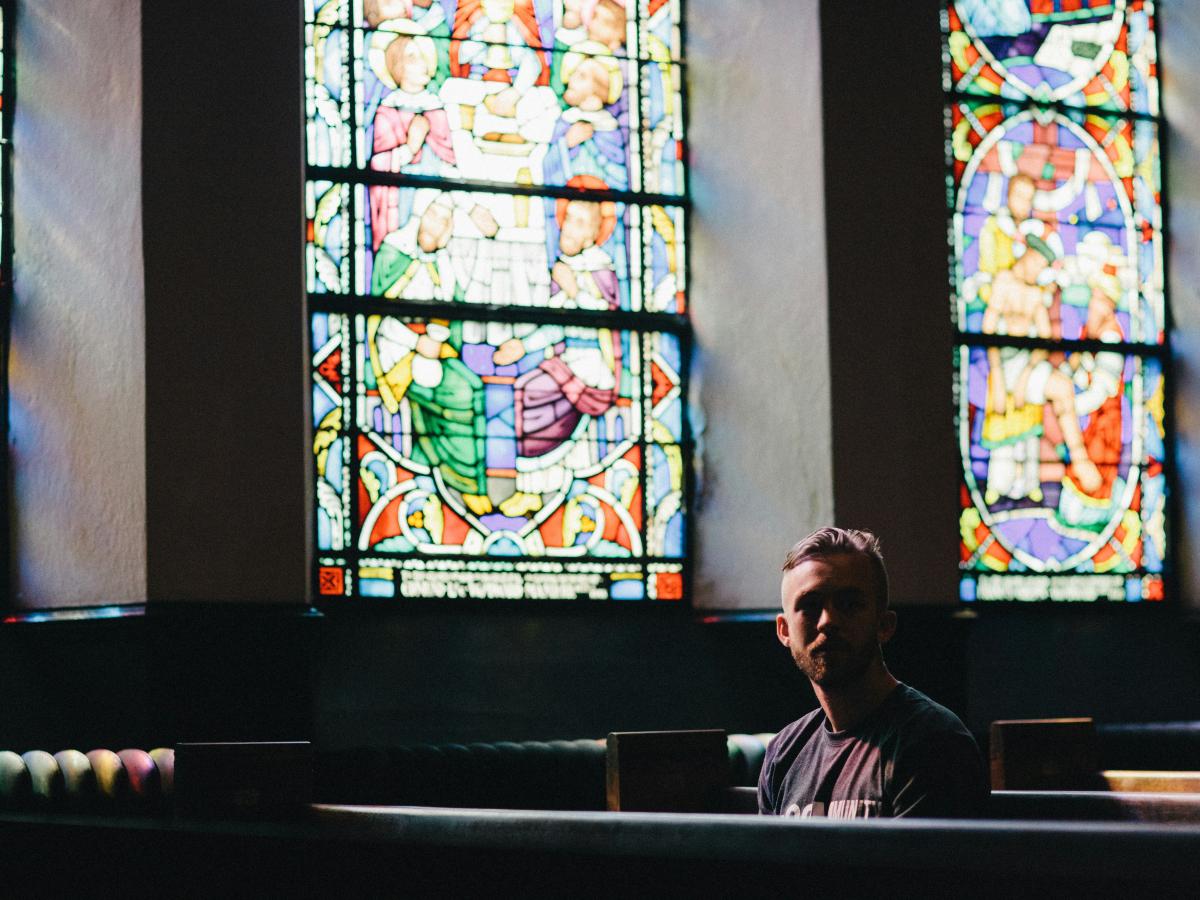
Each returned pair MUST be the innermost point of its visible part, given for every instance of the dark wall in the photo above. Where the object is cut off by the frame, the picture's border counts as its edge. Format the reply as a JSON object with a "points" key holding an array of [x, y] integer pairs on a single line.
{"points": [[209, 673], [478, 675], [374, 677], [459, 675], [1119, 665], [226, 463], [895, 458]]}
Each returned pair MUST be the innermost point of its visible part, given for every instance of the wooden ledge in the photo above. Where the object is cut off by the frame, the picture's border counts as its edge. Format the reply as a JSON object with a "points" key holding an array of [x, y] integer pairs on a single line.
{"points": [[1146, 780]]}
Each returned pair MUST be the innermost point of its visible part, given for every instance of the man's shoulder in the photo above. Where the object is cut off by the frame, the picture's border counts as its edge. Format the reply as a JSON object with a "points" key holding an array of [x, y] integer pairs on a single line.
{"points": [[790, 734], [914, 711], [935, 767], [781, 755]]}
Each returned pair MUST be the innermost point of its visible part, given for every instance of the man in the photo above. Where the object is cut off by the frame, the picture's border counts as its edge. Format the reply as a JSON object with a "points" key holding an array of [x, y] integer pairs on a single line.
{"points": [[415, 261], [421, 362], [875, 747], [1000, 232], [588, 139], [1021, 381]]}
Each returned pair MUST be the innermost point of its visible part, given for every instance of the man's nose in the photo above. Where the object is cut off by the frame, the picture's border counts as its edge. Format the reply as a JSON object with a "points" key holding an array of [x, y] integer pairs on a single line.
{"points": [[829, 618]]}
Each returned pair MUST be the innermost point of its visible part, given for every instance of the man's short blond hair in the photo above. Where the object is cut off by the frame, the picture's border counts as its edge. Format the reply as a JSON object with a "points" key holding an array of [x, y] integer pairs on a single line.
{"points": [[832, 541]]}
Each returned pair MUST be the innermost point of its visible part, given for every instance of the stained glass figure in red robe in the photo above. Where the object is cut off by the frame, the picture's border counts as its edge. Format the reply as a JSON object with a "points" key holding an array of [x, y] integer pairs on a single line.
{"points": [[578, 381], [411, 132]]}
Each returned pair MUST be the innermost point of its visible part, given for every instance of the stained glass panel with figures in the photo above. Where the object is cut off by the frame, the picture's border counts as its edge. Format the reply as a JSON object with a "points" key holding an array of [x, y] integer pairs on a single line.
{"points": [[1087, 184], [459, 438], [1057, 256], [496, 271], [521, 93]]}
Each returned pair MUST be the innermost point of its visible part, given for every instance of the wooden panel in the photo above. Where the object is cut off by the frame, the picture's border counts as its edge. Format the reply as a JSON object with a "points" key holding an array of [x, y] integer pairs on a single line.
{"points": [[1044, 755], [740, 800], [1095, 806], [250, 779], [666, 771], [1152, 781]]}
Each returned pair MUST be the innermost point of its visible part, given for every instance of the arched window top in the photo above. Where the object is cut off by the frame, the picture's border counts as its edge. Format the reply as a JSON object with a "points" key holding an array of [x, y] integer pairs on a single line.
{"points": [[1099, 55]]}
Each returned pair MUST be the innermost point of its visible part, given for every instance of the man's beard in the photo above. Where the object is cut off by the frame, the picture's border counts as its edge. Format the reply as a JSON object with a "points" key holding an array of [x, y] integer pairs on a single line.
{"points": [[835, 663]]}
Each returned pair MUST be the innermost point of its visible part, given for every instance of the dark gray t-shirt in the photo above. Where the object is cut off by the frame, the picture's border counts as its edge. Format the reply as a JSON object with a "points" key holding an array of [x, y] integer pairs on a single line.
{"points": [[911, 757]]}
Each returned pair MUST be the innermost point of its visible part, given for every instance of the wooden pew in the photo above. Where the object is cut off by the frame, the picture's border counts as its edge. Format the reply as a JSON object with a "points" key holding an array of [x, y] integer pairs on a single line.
{"points": [[1044, 754], [666, 771], [1064, 755], [426, 851], [1095, 806], [1043, 770], [1150, 781]]}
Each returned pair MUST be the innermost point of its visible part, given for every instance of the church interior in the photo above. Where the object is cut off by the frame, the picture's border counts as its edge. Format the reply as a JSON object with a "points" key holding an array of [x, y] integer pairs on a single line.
{"points": [[162, 540]]}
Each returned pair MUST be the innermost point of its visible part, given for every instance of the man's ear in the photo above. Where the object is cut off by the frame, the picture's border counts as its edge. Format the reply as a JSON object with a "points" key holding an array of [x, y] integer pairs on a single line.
{"points": [[781, 630], [887, 626]]}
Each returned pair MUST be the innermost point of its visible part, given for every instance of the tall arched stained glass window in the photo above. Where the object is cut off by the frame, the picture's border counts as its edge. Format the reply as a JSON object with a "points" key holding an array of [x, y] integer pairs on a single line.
{"points": [[496, 288], [1056, 229]]}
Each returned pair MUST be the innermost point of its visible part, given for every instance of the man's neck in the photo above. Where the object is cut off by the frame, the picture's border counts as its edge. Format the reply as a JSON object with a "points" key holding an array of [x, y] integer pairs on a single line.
{"points": [[849, 704]]}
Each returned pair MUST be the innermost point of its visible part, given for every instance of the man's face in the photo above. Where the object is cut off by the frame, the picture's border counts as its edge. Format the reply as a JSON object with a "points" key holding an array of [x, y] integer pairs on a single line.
{"points": [[1020, 198], [411, 72], [831, 620], [1030, 266], [571, 14], [434, 231], [579, 227], [608, 25], [587, 88], [382, 10]]}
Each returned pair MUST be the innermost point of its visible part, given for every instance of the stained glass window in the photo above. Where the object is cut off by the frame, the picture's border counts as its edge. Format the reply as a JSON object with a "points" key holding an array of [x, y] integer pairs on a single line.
{"points": [[496, 274], [6, 92], [5, 22], [1056, 228]]}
